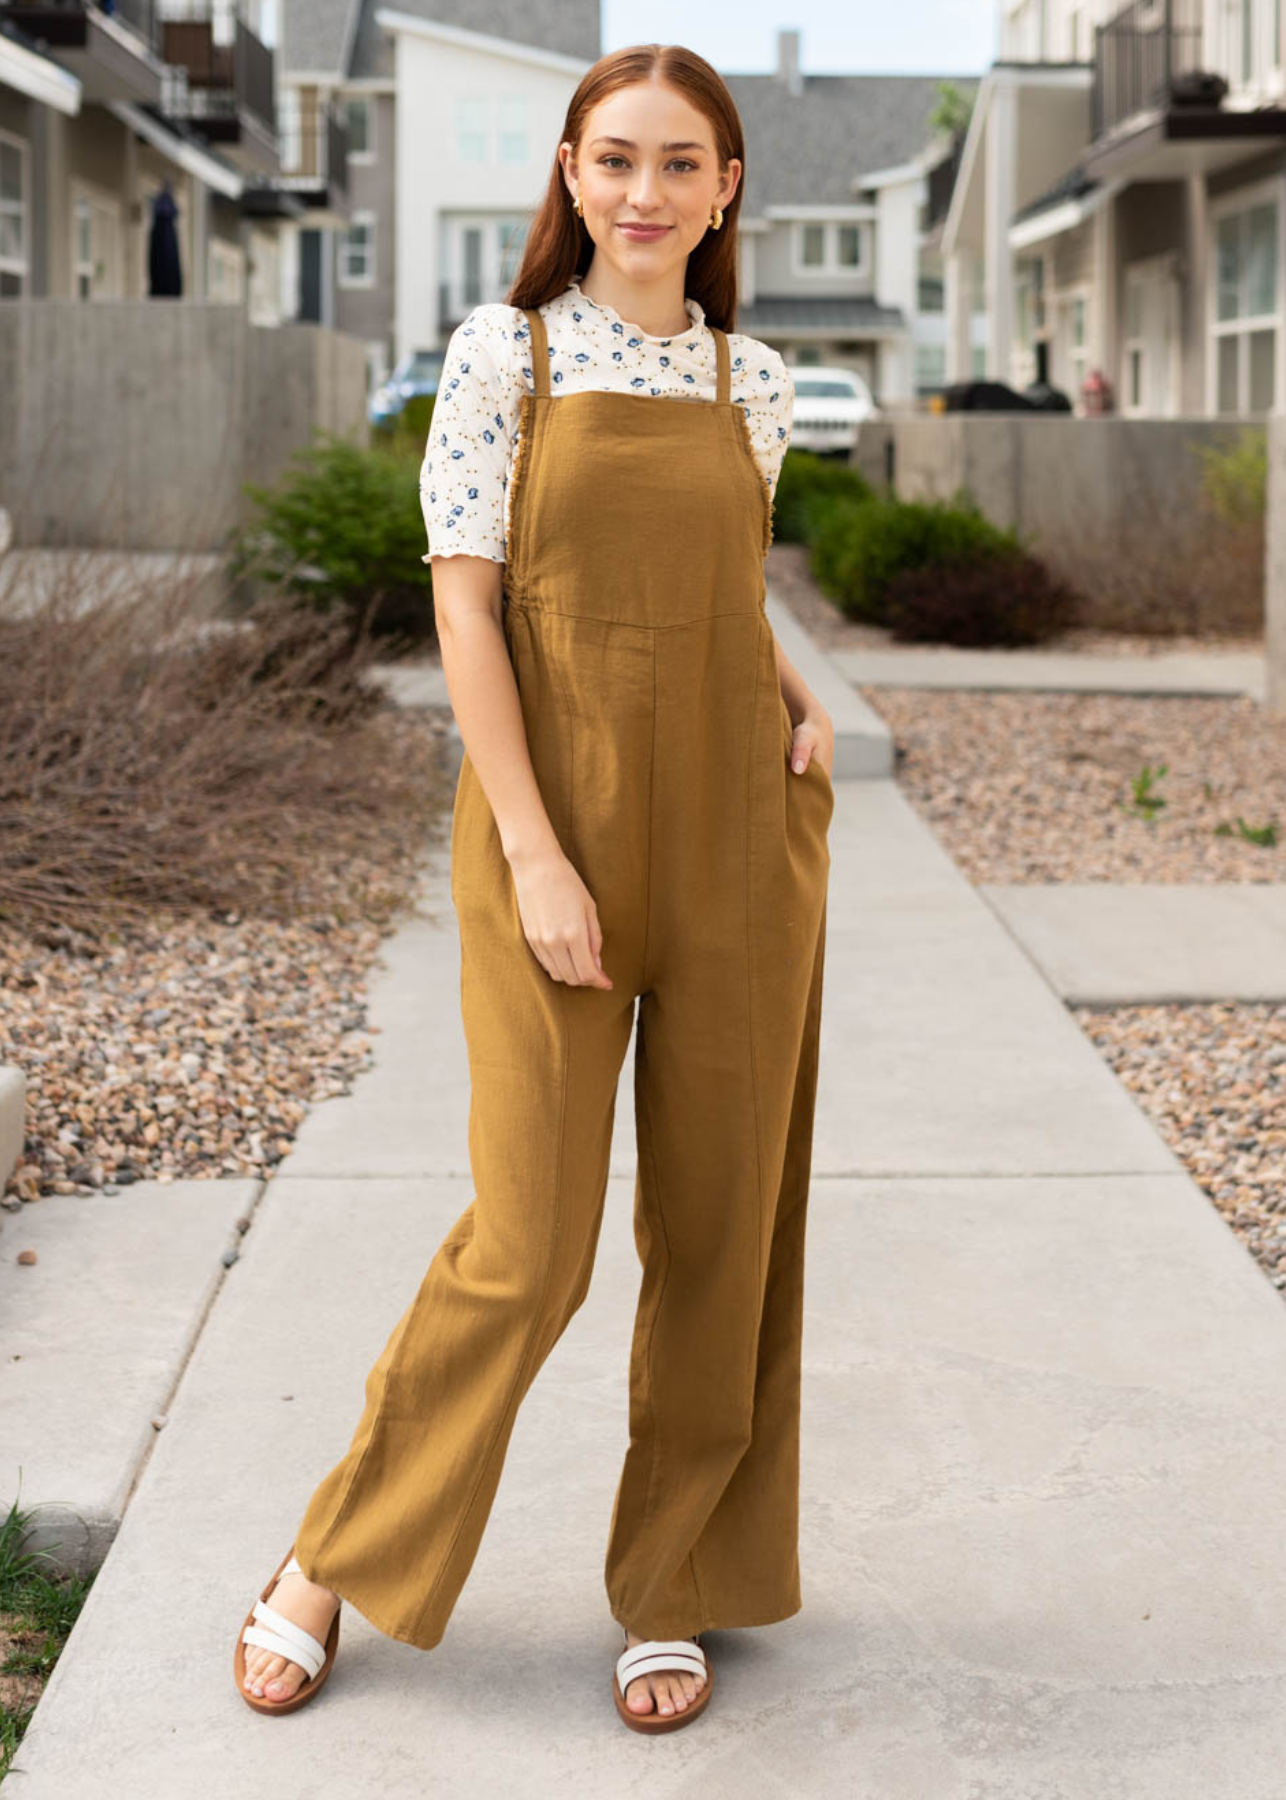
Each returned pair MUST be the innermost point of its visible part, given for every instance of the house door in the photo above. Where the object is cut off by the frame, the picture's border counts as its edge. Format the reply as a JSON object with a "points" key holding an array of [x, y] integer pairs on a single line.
{"points": [[1150, 342], [480, 260], [95, 243]]}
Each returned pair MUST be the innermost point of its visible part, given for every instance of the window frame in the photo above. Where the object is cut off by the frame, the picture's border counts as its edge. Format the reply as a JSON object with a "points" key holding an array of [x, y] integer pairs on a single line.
{"points": [[19, 266], [344, 278], [1241, 202]]}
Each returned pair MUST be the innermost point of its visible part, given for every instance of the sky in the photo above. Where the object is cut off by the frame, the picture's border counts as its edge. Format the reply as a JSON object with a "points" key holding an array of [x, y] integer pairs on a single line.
{"points": [[919, 37]]}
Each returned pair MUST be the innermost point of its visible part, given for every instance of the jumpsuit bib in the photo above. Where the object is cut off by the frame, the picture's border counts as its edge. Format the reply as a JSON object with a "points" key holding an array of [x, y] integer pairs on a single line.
{"points": [[645, 665]]}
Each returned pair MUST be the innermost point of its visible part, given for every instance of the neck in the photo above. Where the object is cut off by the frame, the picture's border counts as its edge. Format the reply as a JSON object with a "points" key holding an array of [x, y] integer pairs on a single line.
{"points": [[653, 308]]}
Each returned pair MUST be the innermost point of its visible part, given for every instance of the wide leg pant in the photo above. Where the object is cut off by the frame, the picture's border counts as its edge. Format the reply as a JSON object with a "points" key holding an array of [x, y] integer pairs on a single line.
{"points": [[717, 927]]}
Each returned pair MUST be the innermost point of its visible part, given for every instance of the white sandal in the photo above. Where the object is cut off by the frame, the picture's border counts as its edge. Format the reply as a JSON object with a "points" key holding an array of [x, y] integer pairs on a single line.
{"points": [[684, 1655], [267, 1629]]}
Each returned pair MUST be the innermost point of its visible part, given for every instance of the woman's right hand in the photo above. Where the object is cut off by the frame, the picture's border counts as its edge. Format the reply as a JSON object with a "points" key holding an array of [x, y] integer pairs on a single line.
{"points": [[560, 919]]}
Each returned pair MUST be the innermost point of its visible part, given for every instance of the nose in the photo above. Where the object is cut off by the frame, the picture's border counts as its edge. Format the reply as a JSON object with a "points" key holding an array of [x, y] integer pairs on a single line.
{"points": [[645, 193]]}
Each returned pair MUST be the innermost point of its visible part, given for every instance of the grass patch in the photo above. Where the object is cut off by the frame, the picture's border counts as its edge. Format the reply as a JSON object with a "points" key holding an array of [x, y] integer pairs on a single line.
{"points": [[37, 1612]]}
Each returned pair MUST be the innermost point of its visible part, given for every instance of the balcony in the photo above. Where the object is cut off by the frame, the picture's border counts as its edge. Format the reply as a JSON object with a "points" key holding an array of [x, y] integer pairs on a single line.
{"points": [[1155, 112], [220, 81], [1137, 56], [311, 185], [113, 50]]}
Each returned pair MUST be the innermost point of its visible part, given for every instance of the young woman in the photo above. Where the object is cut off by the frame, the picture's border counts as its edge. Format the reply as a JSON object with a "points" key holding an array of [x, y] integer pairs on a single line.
{"points": [[642, 813]]}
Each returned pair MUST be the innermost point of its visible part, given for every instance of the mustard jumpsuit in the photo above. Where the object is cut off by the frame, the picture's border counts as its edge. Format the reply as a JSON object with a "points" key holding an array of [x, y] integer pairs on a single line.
{"points": [[634, 619]]}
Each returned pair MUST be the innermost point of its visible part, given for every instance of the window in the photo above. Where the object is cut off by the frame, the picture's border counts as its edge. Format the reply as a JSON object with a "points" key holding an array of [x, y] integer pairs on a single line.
{"points": [[512, 123], [930, 284], [471, 128], [978, 362], [1071, 342], [481, 255], [930, 366], [1246, 308], [1029, 300], [829, 247], [359, 113], [13, 217], [357, 252]]}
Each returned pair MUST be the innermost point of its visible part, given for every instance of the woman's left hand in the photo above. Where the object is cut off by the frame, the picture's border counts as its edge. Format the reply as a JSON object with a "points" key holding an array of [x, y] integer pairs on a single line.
{"points": [[813, 736]]}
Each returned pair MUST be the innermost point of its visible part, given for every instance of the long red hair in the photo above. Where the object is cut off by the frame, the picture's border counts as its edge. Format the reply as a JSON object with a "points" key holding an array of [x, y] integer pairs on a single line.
{"points": [[559, 247]]}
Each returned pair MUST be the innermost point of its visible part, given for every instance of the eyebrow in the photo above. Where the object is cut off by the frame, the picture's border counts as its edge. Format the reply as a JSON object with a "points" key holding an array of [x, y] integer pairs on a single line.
{"points": [[628, 144]]}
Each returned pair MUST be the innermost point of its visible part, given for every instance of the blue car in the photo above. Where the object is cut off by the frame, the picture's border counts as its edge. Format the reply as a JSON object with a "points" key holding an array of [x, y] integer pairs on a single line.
{"points": [[416, 374]]}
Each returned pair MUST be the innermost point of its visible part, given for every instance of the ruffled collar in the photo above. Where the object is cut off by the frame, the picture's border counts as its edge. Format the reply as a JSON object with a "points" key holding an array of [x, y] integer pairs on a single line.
{"points": [[693, 308]]}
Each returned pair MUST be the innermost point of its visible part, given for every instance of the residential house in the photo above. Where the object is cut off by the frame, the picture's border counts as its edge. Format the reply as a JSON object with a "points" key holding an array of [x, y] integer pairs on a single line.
{"points": [[106, 103], [457, 127], [1123, 181]]}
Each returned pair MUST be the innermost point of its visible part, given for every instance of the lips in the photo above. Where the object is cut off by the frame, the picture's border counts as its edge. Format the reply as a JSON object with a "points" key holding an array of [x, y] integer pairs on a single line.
{"points": [[644, 231]]}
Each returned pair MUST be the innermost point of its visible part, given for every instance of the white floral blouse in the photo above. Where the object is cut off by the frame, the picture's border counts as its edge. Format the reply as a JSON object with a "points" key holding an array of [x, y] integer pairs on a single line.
{"points": [[473, 439]]}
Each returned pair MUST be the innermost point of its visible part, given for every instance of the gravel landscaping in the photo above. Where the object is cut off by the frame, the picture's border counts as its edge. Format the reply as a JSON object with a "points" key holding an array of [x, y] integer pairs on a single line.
{"points": [[192, 1047]]}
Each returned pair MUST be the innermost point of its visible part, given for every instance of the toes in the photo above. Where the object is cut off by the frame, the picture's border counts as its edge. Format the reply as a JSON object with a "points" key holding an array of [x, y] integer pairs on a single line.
{"points": [[270, 1666], [638, 1695], [285, 1684]]}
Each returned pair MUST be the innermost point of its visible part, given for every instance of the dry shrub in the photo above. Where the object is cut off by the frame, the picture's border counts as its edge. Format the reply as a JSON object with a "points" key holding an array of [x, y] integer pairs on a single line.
{"points": [[155, 757], [995, 600]]}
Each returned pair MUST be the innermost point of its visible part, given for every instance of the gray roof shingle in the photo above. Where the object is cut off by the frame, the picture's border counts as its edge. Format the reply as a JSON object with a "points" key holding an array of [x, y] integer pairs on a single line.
{"points": [[809, 146], [570, 26], [315, 33]]}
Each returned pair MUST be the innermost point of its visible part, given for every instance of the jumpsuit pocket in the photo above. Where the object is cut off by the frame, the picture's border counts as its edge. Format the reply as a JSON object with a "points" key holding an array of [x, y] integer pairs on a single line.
{"points": [[788, 739]]}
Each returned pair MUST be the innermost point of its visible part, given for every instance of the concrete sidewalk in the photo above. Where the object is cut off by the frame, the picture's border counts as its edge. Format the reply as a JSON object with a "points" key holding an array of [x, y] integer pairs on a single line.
{"points": [[1211, 672], [1044, 1433]]}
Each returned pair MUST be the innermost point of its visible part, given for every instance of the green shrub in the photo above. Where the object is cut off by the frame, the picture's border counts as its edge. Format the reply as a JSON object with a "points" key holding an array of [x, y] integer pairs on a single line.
{"points": [[806, 486], [343, 531], [1235, 479], [1003, 598], [859, 548]]}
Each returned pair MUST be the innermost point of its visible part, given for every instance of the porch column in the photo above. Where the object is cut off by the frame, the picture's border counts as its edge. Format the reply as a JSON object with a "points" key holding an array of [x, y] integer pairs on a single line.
{"points": [[1105, 341], [958, 295], [1193, 329], [999, 190]]}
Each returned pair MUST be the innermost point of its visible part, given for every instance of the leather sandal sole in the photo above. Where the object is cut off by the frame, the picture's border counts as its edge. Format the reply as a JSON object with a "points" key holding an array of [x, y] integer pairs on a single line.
{"points": [[308, 1687]]}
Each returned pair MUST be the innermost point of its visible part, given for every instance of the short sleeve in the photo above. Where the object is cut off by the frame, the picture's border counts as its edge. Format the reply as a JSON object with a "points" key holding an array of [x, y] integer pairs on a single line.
{"points": [[464, 473], [765, 388]]}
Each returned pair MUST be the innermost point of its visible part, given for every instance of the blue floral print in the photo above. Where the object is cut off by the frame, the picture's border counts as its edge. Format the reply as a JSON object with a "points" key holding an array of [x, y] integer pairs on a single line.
{"points": [[464, 477]]}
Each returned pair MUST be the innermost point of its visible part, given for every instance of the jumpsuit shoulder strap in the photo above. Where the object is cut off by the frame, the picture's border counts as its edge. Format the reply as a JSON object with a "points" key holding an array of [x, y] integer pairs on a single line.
{"points": [[723, 384], [539, 350]]}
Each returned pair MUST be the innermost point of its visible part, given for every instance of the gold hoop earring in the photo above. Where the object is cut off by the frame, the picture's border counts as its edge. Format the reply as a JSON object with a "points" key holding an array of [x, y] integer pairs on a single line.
{"points": [[578, 207], [716, 218]]}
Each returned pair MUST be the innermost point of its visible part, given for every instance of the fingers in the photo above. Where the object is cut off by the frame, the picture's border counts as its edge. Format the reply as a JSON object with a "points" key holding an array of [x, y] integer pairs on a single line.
{"points": [[574, 958]]}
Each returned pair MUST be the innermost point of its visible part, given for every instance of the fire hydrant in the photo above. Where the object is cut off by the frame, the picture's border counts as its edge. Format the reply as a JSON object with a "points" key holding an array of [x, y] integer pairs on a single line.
{"points": [[1096, 394]]}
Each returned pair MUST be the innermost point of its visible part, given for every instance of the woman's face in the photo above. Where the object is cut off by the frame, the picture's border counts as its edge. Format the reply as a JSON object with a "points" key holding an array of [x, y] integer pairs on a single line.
{"points": [[647, 156]]}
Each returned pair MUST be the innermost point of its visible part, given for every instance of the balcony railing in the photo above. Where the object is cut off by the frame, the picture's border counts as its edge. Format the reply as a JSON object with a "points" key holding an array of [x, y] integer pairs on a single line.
{"points": [[225, 69], [1138, 55], [314, 145], [63, 23]]}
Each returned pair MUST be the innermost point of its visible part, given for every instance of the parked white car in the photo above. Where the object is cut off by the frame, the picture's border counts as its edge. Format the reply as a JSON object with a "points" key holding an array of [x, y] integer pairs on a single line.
{"points": [[830, 404]]}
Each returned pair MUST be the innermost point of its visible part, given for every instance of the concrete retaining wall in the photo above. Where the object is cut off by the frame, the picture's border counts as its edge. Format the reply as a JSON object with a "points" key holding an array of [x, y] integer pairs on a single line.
{"points": [[131, 424], [1115, 506]]}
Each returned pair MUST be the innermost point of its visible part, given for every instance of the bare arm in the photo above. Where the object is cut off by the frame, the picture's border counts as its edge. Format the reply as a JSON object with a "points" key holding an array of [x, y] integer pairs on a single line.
{"points": [[467, 596], [558, 913]]}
